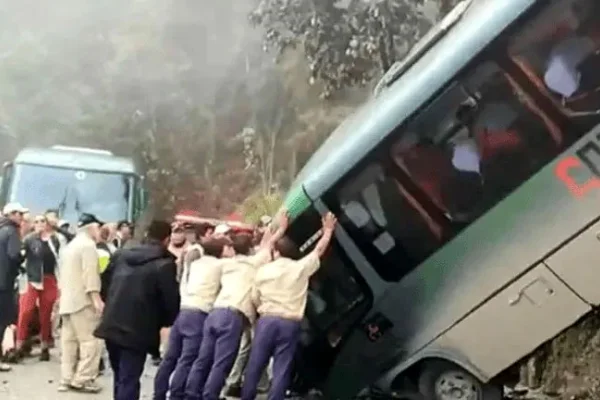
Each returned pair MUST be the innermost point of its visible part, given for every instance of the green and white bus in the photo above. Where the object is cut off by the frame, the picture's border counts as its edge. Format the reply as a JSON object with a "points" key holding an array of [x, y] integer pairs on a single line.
{"points": [[467, 192], [75, 180]]}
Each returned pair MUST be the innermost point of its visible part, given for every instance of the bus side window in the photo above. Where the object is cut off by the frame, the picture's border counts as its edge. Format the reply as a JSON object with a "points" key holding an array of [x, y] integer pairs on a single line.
{"points": [[484, 146], [379, 216], [560, 52]]}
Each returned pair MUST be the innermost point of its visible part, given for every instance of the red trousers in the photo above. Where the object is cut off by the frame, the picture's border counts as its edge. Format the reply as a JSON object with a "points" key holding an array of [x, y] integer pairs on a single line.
{"points": [[27, 304]]}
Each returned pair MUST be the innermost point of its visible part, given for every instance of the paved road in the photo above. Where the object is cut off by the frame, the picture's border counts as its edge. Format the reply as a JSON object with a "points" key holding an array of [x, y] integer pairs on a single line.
{"points": [[34, 380]]}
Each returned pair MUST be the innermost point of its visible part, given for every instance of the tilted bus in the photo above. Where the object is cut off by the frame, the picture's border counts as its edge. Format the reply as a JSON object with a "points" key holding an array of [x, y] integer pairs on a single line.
{"points": [[75, 180], [468, 198]]}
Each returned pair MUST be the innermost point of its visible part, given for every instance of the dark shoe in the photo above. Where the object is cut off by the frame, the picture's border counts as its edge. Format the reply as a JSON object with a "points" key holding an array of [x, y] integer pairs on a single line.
{"points": [[234, 391], [45, 355], [13, 356]]}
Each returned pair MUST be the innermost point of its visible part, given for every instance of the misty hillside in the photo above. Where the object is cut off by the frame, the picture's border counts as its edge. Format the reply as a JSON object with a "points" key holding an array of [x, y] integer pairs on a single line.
{"points": [[184, 86]]}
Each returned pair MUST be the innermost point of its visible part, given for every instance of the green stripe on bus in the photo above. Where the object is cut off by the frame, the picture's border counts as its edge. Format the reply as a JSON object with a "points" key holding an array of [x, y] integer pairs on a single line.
{"points": [[296, 202]]}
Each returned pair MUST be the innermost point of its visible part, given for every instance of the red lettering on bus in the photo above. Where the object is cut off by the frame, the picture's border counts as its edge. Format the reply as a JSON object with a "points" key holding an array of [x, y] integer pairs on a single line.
{"points": [[562, 172]]}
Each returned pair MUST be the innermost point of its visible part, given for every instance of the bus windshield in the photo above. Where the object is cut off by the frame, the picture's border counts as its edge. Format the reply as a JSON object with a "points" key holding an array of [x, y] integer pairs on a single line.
{"points": [[72, 192]]}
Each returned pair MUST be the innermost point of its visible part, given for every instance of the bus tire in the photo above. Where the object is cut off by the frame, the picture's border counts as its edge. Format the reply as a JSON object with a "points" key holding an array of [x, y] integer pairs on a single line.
{"points": [[443, 380]]}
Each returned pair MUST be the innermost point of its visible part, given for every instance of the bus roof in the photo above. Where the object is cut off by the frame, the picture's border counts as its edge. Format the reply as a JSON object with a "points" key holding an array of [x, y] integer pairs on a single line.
{"points": [[481, 23], [77, 159]]}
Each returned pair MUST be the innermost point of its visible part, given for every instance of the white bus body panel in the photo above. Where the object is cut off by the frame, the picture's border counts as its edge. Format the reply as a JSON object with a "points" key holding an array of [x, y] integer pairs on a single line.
{"points": [[515, 322]]}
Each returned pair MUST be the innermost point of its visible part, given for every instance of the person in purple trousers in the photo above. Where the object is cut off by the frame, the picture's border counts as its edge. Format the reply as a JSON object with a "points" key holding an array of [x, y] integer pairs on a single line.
{"points": [[199, 286], [280, 294], [233, 311]]}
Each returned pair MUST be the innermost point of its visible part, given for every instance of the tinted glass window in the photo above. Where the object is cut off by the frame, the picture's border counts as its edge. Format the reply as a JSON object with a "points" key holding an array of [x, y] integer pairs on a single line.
{"points": [[72, 192], [560, 51], [470, 148], [385, 221]]}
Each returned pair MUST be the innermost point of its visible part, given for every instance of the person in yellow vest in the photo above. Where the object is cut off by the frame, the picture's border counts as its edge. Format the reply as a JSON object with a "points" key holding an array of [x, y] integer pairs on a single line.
{"points": [[105, 249]]}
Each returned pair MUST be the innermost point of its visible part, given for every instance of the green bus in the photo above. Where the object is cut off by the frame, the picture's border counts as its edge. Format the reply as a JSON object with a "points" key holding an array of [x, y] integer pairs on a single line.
{"points": [[467, 193], [75, 180]]}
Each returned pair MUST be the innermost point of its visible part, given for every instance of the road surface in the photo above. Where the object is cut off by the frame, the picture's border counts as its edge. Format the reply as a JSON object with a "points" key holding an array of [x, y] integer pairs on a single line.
{"points": [[35, 380]]}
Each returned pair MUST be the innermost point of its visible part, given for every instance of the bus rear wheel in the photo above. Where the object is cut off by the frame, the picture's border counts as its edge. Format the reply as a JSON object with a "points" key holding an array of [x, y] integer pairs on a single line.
{"points": [[442, 380]]}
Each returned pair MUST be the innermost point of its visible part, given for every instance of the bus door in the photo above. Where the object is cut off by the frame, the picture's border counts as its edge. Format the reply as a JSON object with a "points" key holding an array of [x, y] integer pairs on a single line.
{"points": [[338, 298]]}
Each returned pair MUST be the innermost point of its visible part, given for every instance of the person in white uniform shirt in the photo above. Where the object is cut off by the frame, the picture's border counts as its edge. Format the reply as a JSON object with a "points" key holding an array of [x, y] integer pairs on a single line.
{"points": [[200, 284], [233, 312]]}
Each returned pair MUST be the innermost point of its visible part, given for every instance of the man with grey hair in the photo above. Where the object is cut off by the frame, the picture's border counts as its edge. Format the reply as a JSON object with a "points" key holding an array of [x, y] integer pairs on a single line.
{"points": [[80, 308]]}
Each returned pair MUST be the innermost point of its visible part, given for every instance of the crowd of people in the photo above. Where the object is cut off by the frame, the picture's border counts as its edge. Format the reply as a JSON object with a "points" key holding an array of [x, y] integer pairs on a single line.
{"points": [[226, 306]]}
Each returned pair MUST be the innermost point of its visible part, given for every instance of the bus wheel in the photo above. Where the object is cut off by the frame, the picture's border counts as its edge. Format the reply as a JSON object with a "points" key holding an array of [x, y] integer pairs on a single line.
{"points": [[442, 380]]}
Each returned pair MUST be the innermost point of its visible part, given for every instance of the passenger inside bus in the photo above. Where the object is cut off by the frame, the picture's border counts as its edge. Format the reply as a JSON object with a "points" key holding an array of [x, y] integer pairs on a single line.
{"points": [[485, 139], [563, 58]]}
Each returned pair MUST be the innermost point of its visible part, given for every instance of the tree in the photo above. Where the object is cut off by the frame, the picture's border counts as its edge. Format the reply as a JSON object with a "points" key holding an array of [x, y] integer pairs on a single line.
{"points": [[345, 42]]}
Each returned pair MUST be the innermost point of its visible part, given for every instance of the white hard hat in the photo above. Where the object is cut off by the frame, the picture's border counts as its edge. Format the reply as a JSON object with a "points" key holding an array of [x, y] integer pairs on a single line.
{"points": [[222, 229], [13, 208]]}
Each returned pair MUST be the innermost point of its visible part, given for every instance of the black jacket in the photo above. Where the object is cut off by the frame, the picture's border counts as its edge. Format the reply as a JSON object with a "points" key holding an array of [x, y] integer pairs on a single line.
{"points": [[10, 253], [34, 261], [142, 296]]}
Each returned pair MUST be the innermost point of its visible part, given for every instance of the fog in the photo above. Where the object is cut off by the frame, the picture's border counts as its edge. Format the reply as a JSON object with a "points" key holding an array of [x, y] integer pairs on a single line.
{"points": [[67, 64]]}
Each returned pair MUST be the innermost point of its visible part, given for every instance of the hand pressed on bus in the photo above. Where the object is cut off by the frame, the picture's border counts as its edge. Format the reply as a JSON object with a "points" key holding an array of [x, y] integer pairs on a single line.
{"points": [[329, 222], [270, 238]]}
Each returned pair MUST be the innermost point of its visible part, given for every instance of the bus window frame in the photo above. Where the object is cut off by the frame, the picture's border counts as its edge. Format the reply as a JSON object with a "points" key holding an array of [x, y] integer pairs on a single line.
{"points": [[495, 52]]}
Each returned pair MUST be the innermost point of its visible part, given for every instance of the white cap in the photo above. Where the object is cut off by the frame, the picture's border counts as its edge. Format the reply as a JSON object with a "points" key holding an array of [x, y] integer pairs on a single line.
{"points": [[222, 229], [13, 208]]}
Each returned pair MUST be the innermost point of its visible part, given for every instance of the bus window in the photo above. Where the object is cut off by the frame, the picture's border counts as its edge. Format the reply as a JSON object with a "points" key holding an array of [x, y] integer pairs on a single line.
{"points": [[385, 221], [560, 52], [487, 143]]}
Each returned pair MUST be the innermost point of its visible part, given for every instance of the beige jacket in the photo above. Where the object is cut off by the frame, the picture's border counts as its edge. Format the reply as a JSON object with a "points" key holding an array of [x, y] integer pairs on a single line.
{"points": [[80, 274], [237, 283], [201, 282], [281, 286]]}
